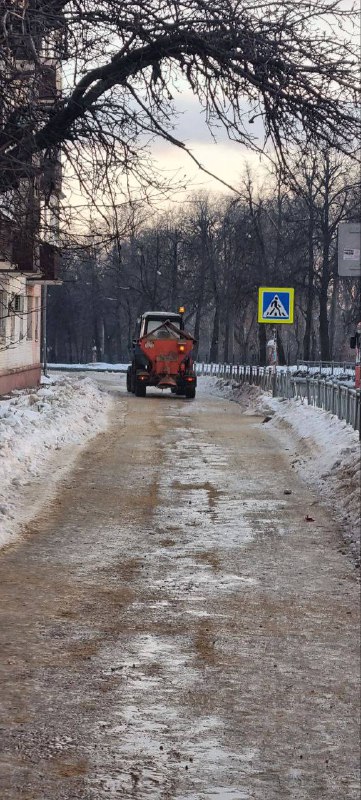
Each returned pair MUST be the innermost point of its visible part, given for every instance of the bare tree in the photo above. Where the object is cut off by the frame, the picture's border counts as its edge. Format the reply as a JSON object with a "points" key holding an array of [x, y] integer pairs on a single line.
{"points": [[328, 187], [225, 250], [292, 64]]}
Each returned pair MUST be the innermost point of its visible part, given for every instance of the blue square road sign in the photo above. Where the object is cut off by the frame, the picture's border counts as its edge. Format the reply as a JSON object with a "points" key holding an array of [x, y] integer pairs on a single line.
{"points": [[276, 305]]}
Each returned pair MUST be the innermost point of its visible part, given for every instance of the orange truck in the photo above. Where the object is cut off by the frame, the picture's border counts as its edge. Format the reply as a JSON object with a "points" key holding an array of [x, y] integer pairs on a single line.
{"points": [[162, 355]]}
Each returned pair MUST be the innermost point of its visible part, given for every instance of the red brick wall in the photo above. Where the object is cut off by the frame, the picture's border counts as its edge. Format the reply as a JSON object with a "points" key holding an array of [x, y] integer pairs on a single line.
{"points": [[22, 378]]}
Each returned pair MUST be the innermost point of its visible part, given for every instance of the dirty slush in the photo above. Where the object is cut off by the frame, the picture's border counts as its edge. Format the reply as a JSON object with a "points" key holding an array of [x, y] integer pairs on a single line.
{"points": [[172, 628]]}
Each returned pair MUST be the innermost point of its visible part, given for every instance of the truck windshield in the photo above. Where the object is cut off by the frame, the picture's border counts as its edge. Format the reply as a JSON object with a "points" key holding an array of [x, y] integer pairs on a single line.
{"points": [[152, 324]]}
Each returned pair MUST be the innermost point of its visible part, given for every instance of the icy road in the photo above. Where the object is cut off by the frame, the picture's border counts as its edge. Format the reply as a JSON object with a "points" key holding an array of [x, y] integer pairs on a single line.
{"points": [[180, 623]]}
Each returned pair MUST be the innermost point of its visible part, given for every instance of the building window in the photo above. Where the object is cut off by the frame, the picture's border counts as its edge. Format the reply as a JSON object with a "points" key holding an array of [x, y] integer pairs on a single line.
{"points": [[30, 317], [18, 304], [16, 311], [37, 318]]}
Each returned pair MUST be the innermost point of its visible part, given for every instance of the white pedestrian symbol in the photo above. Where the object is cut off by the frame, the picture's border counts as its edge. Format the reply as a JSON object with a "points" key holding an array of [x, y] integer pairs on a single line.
{"points": [[276, 309]]}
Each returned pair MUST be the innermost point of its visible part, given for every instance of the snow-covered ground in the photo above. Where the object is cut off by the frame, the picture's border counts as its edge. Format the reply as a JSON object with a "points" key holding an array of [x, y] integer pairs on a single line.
{"points": [[97, 366], [325, 450], [63, 413]]}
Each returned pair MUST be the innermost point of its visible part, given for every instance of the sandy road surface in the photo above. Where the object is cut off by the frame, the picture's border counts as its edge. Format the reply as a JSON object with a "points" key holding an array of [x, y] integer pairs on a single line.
{"points": [[173, 628]]}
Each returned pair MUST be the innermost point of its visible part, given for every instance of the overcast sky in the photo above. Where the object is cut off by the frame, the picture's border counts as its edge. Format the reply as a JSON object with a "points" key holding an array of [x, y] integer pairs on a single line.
{"points": [[224, 158]]}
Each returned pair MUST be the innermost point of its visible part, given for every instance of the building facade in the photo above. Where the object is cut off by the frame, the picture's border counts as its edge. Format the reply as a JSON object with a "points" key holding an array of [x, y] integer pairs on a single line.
{"points": [[29, 204], [20, 332]]}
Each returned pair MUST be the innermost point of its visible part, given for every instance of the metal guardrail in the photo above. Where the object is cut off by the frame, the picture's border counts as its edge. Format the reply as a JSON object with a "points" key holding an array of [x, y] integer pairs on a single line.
{"points": [[341, 400], [327, 367]]}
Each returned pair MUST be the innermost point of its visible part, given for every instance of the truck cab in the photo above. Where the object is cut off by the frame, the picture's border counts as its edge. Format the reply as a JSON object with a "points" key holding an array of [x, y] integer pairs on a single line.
{"points": [[151, 320]]}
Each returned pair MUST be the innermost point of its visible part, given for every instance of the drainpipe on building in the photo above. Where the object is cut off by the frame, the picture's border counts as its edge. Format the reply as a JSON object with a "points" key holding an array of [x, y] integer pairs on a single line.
{"points": [[44, 290]]}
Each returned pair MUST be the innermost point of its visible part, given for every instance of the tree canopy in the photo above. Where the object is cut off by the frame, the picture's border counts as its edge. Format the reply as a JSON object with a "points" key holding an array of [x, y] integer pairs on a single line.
{"points": [[294, 64]]}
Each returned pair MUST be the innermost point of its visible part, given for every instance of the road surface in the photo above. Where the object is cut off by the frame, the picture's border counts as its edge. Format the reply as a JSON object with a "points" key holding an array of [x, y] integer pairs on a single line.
{"points": [[173, 628]]}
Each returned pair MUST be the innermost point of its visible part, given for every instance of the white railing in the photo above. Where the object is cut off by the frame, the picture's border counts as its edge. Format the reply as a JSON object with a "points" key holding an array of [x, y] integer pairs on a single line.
{"points": [[327, 367], [339, 399]]}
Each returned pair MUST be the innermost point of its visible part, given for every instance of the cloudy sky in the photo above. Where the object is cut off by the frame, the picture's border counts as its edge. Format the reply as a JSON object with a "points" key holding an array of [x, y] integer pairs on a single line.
{"points": [[225, 159]]}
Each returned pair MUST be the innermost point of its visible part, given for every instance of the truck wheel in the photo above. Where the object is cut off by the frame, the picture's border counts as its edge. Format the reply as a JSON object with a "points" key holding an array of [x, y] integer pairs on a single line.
{"points": [[129, 380], [190, 392], [140, 388]]}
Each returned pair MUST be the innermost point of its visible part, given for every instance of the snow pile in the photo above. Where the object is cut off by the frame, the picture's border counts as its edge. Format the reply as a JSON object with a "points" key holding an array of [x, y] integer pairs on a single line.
{"points": [[93, 366], [326, 451], [245, 395], [34, 424], [344, 374]]}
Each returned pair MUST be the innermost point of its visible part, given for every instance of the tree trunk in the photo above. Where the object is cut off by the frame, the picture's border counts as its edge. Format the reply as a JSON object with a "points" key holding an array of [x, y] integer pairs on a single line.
{"points": [[333, 314], [226, 339], [214, 349], [310, 288], [199, 305], [262, 338], [324, 335], [229, 334], [325, 271], [174, 274], [280, 350], [313, 345]]}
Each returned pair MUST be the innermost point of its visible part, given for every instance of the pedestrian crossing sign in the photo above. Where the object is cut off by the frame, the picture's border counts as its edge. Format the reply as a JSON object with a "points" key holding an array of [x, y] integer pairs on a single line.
{"points": [[276, 305]]}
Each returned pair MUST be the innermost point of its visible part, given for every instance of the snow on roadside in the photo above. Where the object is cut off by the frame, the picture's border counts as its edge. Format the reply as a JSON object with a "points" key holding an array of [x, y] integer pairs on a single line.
{"points": [[97, 366], [326, 451], [33, 425]]}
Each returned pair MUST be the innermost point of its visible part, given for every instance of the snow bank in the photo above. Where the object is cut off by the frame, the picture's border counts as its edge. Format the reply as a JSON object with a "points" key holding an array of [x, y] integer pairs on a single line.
{"points": [[33, 425], [326, 451], [97, 366]]}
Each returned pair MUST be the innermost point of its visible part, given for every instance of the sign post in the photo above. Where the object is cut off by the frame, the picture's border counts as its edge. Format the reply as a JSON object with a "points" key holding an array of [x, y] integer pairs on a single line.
{"points": [[275, 307]]}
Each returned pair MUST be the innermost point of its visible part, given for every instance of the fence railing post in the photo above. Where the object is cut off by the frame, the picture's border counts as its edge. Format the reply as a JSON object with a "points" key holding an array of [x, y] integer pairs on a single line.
{"points": [[347, 413], [274, 383], [326, 393], [339, 410]]}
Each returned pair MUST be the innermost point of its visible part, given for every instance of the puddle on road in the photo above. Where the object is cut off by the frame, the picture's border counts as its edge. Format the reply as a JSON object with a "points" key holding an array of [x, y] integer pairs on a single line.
{"points": [[218, 793], [148, 765], [203, 499], [192, 578]]}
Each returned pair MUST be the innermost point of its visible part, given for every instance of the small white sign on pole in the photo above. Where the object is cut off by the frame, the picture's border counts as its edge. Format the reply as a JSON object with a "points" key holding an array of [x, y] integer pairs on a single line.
{"points": [[349, 249]]}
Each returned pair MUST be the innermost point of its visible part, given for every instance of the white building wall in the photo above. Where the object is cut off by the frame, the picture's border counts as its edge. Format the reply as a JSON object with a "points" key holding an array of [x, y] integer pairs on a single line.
{"points": [[20, 305]]}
